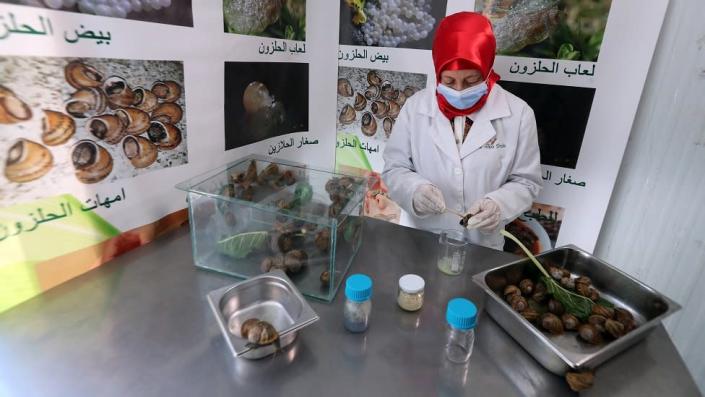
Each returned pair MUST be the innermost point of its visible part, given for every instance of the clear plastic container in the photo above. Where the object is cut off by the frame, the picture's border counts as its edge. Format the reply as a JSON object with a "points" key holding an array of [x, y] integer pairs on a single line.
{"points": [[461, 316], [358, 303], [410, 293], [452, 246]]}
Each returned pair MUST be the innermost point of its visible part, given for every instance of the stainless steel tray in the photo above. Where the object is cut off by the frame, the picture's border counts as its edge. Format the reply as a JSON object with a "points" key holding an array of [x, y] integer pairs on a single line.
{"points": [[563, 352], [271, 297]]}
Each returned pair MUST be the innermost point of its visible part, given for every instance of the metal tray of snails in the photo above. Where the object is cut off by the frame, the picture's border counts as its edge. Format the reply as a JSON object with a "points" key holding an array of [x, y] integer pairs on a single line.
{"points": [[261, 315], [623, 310]]}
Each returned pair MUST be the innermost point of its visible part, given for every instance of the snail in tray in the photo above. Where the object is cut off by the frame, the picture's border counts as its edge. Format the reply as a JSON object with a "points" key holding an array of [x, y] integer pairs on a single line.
{"points": [[551, 323], [510, 290], [81, 75], [372, 93], [555, 307], [626, 318], [168, 112], [373, 78], [518, 302], [144, 99], [27, 160], [388, 92], [259, 333], [360, 102], [166, 136], [526, 286], [579, 381], [139, 150], [12, 109], [91, 161], [590, 334], [387, 125], [368, 124], [344, 88], [119, 93], [379, 109], [602, 311], [106, 127], [394, 109], [86, 102], [347, 115], [530, 314], [570, 322], [57, 128], [540, 292], [614, 328], [558, 273], [568, 283], [134, 120], [598, 321], [167, 91]]}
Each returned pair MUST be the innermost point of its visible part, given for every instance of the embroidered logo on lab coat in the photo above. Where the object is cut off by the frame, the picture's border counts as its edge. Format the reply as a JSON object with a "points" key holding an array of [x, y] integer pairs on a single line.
{"points": [[493, 144]]}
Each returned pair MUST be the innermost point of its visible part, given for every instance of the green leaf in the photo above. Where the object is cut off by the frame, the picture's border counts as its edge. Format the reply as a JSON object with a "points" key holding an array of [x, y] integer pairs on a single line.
{"points": [[604, 302], [567, 51], [241, 245]]}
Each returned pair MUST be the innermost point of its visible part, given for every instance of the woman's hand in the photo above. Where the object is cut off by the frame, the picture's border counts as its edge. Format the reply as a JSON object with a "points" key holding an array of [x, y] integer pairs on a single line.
{"points": [[428, 200], [486, 216]]}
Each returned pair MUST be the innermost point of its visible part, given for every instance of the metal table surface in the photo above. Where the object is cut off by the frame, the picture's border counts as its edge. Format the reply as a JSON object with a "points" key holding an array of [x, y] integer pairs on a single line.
{"points": [[140, 326]]}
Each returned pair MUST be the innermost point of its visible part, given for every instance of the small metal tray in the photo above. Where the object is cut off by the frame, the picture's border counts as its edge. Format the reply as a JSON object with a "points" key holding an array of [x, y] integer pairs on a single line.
{"points": [[560, 353], [269, 297]]}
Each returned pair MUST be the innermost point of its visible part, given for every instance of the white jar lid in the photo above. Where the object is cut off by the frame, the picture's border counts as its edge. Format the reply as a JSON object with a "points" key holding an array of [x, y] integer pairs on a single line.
{"points": [[411, 283]]}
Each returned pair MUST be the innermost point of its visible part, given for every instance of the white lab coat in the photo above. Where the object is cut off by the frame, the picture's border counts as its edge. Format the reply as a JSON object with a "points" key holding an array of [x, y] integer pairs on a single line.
{"points": [[499, 160]]}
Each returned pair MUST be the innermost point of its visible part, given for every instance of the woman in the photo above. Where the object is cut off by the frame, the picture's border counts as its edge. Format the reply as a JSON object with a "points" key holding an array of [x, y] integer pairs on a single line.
{"points": [[466, 146]]}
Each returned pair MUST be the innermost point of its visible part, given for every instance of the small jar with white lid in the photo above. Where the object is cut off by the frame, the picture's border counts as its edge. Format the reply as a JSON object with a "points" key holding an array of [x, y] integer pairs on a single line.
{"points": [[411, 292]]}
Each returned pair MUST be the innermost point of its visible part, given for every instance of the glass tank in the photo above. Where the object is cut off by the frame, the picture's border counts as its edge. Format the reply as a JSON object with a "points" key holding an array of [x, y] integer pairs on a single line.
{"points": [[259, 214]]}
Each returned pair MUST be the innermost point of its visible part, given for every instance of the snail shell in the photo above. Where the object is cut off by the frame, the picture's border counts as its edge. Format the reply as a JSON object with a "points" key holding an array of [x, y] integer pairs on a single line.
{"points": [[325, 278], [555, 307], [167, 91], [247, 326], [539, 294], [360, 102], [166, 136], [119, 93], [81, 75], [615, 328], [256, 97], [347, 115], [369, 125], [372, 92], [387, 125], [518, 303], [379, 109], [144, 99], [401, 99], [344, 88], [322, 240], [91, 161], [139, 150], [583, 280], [551, 323], [388, 92], [394, 109], [558, 273], [57, 128], [602, 311], [570, 322], [530, 314], [568, 282], [626, 318], [272, 262], [294, 260], [590, 334], [373, 78], [510, 290], [526, 286], [409, 91], [12, 109], [579, 381], [262, 333], [106, 127], [134, 120], [168, 112], [86, 102], [598, 321], [583, 289], [27, 160]]}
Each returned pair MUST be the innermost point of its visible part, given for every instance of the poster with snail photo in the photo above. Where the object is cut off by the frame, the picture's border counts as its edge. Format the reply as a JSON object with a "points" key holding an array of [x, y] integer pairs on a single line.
{"points": [[390, 23], [536, 228], [172, 12], [279, 19], [264, 100], [90, 120]]}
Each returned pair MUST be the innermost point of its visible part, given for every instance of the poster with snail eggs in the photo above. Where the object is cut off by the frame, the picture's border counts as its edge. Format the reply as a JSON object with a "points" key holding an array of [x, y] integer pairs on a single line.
{"points": [[93, 120]]}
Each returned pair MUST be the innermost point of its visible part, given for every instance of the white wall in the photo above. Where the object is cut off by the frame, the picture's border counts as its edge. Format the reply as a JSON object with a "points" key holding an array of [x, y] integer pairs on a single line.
{"points": [[655, 225]]}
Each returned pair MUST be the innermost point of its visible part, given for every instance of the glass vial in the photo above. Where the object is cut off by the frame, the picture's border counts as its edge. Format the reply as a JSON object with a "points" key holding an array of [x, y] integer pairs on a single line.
{"points": [[452, 245], [358, 303], [461, 316], [410, 293]]}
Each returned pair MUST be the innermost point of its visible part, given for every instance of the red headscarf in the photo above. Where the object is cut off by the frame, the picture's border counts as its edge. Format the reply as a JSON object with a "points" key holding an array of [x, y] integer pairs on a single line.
{"points": [[464, 41]]}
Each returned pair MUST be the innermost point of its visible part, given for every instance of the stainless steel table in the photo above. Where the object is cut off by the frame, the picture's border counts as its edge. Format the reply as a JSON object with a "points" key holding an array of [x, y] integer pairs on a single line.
{"points": [[140, 326]]}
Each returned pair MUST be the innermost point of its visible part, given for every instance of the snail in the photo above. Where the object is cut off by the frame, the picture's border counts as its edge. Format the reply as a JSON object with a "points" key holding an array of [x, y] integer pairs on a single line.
{"points": [[388, 92], [140, 151], [373, 78], [256, 97], [614, 328], [347, 115], [81, 75], [322, 240], [344, 88], [626, 318], [387, 125], [259, 333], [511, 290], [568, 283], [168, 112], [526, 286], [12, 109], [106, 127], [583, 289], [579, 381], [570, 322], [247, 326], [167, 91], [272, 262], [165, 136], [540, 292], [583, 280], [530, 314], [590, 334], [372, 92], [325, 278], [598, 321], [369, 125], [119, 93], [289, 241], [551, 323], [409, 91], [555, 307], [518, 302], [401, 99], [394, 109], [379, 109], [91, 161], [558, 273], [360, 102], [136, 121], [86, 102], [250, 175], [269, 173], [57, 128], [144, 99], [294, 260], [27, 160], [602, 311]]}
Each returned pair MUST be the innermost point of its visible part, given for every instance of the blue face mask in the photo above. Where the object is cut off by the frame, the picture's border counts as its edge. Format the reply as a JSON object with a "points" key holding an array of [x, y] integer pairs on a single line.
{"points": [[464, 99]]}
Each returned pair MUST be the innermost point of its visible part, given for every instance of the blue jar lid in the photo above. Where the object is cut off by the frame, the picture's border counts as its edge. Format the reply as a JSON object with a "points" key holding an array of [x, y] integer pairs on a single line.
{"points": [[461, 313], [358, 287]]}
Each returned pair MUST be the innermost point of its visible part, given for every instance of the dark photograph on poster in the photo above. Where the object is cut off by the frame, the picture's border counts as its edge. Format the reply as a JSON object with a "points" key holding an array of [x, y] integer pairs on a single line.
{"points": [[536, 228], [390, 23], [264, 100], [171, 12], [553, 29], [279, 19], [561, 117], [90, 120]]}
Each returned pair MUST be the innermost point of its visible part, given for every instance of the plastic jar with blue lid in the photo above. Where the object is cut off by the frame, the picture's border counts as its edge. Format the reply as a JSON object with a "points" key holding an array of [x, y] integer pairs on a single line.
{"points": [[461, 316], [358, 303]]}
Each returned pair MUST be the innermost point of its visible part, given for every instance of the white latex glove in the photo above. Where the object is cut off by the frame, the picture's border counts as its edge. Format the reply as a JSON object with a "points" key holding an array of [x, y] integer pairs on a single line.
{"points": [[486, 215], [428, 200]]}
